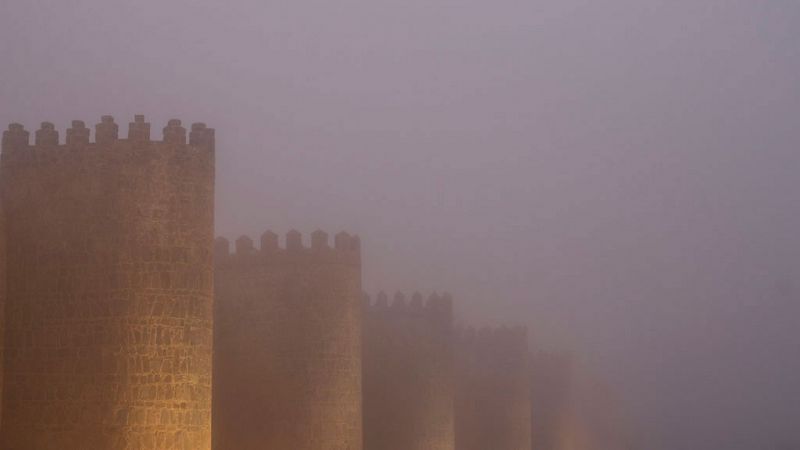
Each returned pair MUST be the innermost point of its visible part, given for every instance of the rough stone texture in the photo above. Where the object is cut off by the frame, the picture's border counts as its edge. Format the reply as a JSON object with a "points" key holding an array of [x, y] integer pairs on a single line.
{"points": [[493, 408], [109, 305], [287, 345], [408, 374], [550, 391], [2, 298]]}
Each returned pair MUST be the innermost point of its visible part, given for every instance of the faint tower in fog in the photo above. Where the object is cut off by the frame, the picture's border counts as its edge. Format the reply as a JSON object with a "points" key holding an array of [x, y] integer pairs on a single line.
{"points": [[493, 408], [551, 385], [408, 373]]}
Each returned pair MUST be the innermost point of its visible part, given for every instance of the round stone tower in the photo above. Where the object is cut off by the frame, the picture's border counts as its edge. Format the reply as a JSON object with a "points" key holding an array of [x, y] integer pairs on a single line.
{"points": [[2, 299], [408, 373], [493, 404], [287, 344], [109, 299], [551, 380]]}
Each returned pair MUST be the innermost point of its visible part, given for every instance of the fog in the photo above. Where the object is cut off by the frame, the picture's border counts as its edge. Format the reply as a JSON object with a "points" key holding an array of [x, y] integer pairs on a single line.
{"points": [[619, 176]]}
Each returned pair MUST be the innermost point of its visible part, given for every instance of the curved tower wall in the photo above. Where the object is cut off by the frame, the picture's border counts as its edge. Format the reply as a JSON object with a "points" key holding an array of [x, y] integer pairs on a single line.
{"points": [[287, 344], [550, 391], [493, 405], [408, 374], [109, 306], [2, 300]]}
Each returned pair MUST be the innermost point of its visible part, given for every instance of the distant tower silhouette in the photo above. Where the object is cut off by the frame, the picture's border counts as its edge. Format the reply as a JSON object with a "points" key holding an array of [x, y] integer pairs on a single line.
{"points": [[408, 374], [493, 406], [550, 390], [287, 344], [109, 295]]}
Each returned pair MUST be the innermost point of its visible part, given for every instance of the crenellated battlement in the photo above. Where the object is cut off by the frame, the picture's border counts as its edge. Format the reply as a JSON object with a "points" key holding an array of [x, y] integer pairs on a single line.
{"points": [[497, 348], [346, 250], [502, 336], [435, 306], [16, 140], [110, 248], [16, 137]]}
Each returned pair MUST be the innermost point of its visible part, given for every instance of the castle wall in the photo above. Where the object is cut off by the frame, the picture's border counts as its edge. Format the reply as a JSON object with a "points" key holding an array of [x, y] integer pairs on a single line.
{"points": [[493, 409], [573, 408], [2, 300], [408, 374], [551, 377], [287, 344], [109, 305]]}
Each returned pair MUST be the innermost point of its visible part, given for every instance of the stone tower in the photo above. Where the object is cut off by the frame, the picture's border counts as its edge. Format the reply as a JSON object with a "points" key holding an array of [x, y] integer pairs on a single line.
{"points": [[2, 300], [550, 391], [408, 374], [109, 288], [493, 408], [287, 344]]}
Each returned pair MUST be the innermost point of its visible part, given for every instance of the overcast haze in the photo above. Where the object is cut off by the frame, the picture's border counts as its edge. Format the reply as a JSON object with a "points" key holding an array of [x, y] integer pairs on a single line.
{"points": [[620, 175]]}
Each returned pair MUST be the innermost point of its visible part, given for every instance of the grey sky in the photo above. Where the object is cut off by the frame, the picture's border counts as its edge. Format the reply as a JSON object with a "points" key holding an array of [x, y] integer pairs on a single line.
{"points": [[619, 175]]}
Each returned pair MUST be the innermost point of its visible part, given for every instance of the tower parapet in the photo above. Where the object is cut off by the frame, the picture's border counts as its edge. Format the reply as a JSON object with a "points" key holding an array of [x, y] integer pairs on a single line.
{"points": [[78, 135], [15, 138], [16, 147], [493, 406], [437, 309], [408, 373], [109, 305], [46, 136], [346, 250], [106, 132], [287, 337]]}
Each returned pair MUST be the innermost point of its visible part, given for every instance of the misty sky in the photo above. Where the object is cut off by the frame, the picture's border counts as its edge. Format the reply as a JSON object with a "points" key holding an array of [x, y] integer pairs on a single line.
{"points": [[619, 175]]}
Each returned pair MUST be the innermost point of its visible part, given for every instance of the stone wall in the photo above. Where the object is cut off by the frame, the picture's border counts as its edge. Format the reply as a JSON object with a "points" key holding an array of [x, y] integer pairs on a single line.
{"points": [[551, 376], [408, 374], [109, 299], [2, 300], [493, 409], [573, 407], [287, 344]]}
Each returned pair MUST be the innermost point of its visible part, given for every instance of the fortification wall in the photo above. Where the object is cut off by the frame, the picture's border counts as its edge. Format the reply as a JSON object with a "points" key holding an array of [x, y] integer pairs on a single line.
{"points": [[551, 376], [493, 409], [109, 305], [287, 343], [408, 373], [2, 300]]}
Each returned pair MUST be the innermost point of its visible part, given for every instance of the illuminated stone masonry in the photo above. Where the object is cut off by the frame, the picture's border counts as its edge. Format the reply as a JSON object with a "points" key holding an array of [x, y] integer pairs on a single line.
{"points": [[109, 288]]}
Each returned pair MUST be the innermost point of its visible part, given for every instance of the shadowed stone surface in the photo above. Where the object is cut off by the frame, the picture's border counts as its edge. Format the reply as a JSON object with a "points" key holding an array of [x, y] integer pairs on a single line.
{"points": [[287, 360], [408, 374], [550, 389], [2, 297], [493, 405]]}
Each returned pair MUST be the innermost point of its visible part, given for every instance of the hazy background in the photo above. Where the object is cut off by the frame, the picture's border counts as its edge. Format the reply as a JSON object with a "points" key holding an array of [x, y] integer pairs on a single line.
{"points": [[621, 176]]}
